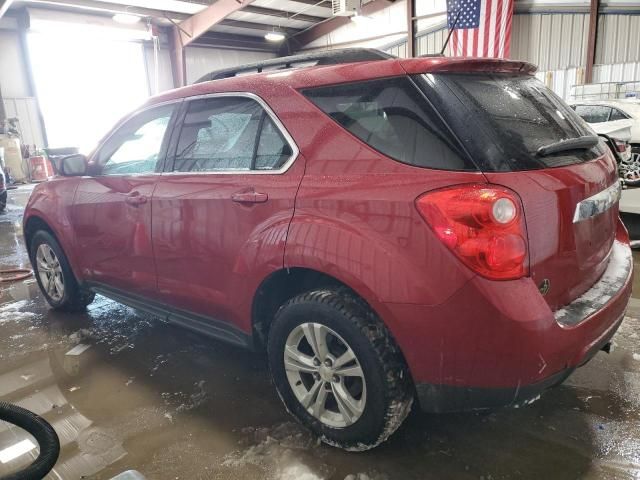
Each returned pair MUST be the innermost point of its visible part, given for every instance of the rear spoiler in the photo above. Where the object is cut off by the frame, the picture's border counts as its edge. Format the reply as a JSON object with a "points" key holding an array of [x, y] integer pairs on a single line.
{"points": [[466, 65]]}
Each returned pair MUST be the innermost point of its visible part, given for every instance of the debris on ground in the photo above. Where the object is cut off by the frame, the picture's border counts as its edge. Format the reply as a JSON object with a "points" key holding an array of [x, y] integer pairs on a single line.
{"points": [[11, 312]]}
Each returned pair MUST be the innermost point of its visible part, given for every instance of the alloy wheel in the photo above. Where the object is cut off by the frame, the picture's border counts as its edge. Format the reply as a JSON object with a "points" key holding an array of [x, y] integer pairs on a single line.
{"points": [[325, 375], [50, 272]]}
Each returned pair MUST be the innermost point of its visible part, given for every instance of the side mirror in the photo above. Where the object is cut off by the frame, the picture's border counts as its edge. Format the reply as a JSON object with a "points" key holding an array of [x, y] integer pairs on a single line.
{"points": [[73, 165]]}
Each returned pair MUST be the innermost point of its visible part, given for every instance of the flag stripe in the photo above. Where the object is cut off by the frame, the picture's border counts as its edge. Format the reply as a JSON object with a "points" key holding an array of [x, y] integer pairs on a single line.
{"points": [[498, 25], [483, 28]]}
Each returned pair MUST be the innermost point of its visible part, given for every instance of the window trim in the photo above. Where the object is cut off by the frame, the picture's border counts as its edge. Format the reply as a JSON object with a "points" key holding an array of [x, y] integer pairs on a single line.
{"points": [[177, 129], [164, 149], [623, 113]]}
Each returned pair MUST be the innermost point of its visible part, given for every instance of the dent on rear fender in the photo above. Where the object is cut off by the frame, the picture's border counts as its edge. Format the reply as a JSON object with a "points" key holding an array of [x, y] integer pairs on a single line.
{"points": [[391, 265]]}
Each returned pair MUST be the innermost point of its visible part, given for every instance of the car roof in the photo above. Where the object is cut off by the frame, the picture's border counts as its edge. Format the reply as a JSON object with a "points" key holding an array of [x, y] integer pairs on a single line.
{"points": [[319, 75], [629, 106]]}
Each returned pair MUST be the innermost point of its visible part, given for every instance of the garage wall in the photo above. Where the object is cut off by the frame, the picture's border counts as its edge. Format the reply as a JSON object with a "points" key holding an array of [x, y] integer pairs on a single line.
{"points": [[618, 39], [551, 41], [202, 60], [165, 77], [13, 74], [19, 100]]}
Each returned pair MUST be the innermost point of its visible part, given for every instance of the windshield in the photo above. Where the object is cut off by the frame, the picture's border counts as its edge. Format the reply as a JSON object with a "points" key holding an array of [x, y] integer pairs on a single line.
{"points": [[504, 119]]}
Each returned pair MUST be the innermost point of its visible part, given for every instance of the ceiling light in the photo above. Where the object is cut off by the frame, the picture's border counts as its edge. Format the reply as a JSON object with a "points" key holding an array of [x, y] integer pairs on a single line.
{"points": [[126, 18], [275, 36]]}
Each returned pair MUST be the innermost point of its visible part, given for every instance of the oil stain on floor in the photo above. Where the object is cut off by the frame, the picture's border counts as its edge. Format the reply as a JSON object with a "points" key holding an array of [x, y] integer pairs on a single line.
{"points": [[126, 391]]}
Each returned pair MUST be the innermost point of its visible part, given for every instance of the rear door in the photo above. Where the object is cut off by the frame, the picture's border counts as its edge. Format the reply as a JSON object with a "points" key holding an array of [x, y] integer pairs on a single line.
{"points": [[503, 120], [111, 212], [222, 210]]}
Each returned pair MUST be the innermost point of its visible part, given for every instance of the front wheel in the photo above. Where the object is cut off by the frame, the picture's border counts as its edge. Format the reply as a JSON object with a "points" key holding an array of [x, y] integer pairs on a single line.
{"points": [[54, 276], [337, 369]]}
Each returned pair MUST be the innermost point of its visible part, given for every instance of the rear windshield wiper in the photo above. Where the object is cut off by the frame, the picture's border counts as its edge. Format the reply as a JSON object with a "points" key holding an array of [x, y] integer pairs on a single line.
{"points": [[578, 143]]}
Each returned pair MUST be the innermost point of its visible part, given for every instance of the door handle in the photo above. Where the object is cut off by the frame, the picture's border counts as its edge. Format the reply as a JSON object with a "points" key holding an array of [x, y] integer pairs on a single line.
{"points": [[135, 199], [250, 197]]}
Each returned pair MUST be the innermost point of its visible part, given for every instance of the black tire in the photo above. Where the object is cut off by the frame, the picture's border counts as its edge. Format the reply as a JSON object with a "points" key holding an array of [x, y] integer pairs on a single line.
{"points": [[74, 298], [632, 222], [3, 201], [389, 387], [44, 434]]}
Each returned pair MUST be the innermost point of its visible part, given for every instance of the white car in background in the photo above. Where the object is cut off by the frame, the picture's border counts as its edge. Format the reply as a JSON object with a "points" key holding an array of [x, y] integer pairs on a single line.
{"points": [[611, 115], [620, 120]]}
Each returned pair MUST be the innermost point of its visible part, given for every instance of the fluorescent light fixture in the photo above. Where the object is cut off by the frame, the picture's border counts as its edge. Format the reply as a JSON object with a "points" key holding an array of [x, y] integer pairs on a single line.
{"points": [[126, 18], [16, 450], [274, 36]]}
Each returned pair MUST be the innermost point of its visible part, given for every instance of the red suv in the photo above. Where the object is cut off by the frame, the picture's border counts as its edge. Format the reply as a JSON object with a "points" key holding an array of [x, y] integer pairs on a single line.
{"points": [[388, 230]]}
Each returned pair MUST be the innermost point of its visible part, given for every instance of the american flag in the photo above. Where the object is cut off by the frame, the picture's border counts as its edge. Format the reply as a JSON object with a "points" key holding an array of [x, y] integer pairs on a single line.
{"points": [[483, 29]]}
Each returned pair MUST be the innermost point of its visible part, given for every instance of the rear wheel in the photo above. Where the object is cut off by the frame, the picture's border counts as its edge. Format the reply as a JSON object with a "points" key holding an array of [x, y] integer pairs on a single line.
{"points": [[54, 276], [338, 370], [3, 201]]}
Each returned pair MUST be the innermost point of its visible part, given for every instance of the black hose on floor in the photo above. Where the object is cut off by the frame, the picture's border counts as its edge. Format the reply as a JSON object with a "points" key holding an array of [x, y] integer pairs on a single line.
{"points": [[44, 434]]}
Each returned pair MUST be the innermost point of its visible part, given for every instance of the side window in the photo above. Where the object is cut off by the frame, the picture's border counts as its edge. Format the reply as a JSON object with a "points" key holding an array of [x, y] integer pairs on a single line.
{"points": [[617, 115], [136, 146], [393, 117], [593, 113], [273, 151], [229, 134]]}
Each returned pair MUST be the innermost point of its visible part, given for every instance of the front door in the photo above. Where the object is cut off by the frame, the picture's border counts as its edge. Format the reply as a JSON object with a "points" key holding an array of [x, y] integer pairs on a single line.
{"points": [[111, 212], [220, 215]]}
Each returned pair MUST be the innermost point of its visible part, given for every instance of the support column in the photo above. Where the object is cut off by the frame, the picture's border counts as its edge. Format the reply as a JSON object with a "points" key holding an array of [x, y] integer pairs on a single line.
{"points": [[177, 56], [411, 28], [593, 38]]}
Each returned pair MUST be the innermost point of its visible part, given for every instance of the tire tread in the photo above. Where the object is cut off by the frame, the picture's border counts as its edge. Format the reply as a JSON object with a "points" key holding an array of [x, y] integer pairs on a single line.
{"points": [[400, 391]]}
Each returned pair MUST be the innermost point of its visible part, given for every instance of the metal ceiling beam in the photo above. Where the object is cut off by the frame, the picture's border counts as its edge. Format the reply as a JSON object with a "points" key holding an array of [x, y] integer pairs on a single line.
{"points": [[236, 42], [194, 26], [189, 30], [316, 3], [263, 27], [4, 6], [592, 41], [270, 12], [307, 36]]}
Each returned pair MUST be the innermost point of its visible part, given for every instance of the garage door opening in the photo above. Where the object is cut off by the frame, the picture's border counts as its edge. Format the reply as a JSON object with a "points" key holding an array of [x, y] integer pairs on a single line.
{"points": [[85, 83]]}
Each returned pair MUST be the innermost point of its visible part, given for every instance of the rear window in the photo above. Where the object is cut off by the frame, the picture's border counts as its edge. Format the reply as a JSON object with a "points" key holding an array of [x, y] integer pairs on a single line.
{"points": [[593, 113], [393, 117], [503, 119]]}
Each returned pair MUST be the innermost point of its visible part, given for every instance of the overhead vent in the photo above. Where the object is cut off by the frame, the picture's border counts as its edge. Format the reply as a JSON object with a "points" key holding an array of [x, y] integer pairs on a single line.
{"points": [[345, 8]]}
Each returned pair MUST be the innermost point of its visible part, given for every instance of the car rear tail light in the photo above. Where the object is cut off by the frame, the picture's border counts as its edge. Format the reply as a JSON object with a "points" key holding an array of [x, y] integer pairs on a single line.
{"points": [[483, 225], [620, 145]]}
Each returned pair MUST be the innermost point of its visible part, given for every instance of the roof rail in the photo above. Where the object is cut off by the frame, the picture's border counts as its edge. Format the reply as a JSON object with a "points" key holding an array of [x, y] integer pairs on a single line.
{"points": [[330, 57]]}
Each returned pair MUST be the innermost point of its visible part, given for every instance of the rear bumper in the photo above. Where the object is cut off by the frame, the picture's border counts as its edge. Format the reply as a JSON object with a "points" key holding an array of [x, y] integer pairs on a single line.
{"points": [[498, 343], [447, 398]]}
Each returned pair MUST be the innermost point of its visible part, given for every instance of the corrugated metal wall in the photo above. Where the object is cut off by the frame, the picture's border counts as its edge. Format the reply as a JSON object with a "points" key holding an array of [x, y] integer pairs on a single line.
{"points": [[399, 50], [618, 39], [551, 41], [432, 42], [559, 41], [617, 72]]}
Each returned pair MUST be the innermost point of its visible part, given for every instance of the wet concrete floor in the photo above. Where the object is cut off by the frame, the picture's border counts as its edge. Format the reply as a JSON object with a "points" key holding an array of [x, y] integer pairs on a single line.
{"points": [[125, 391]]}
